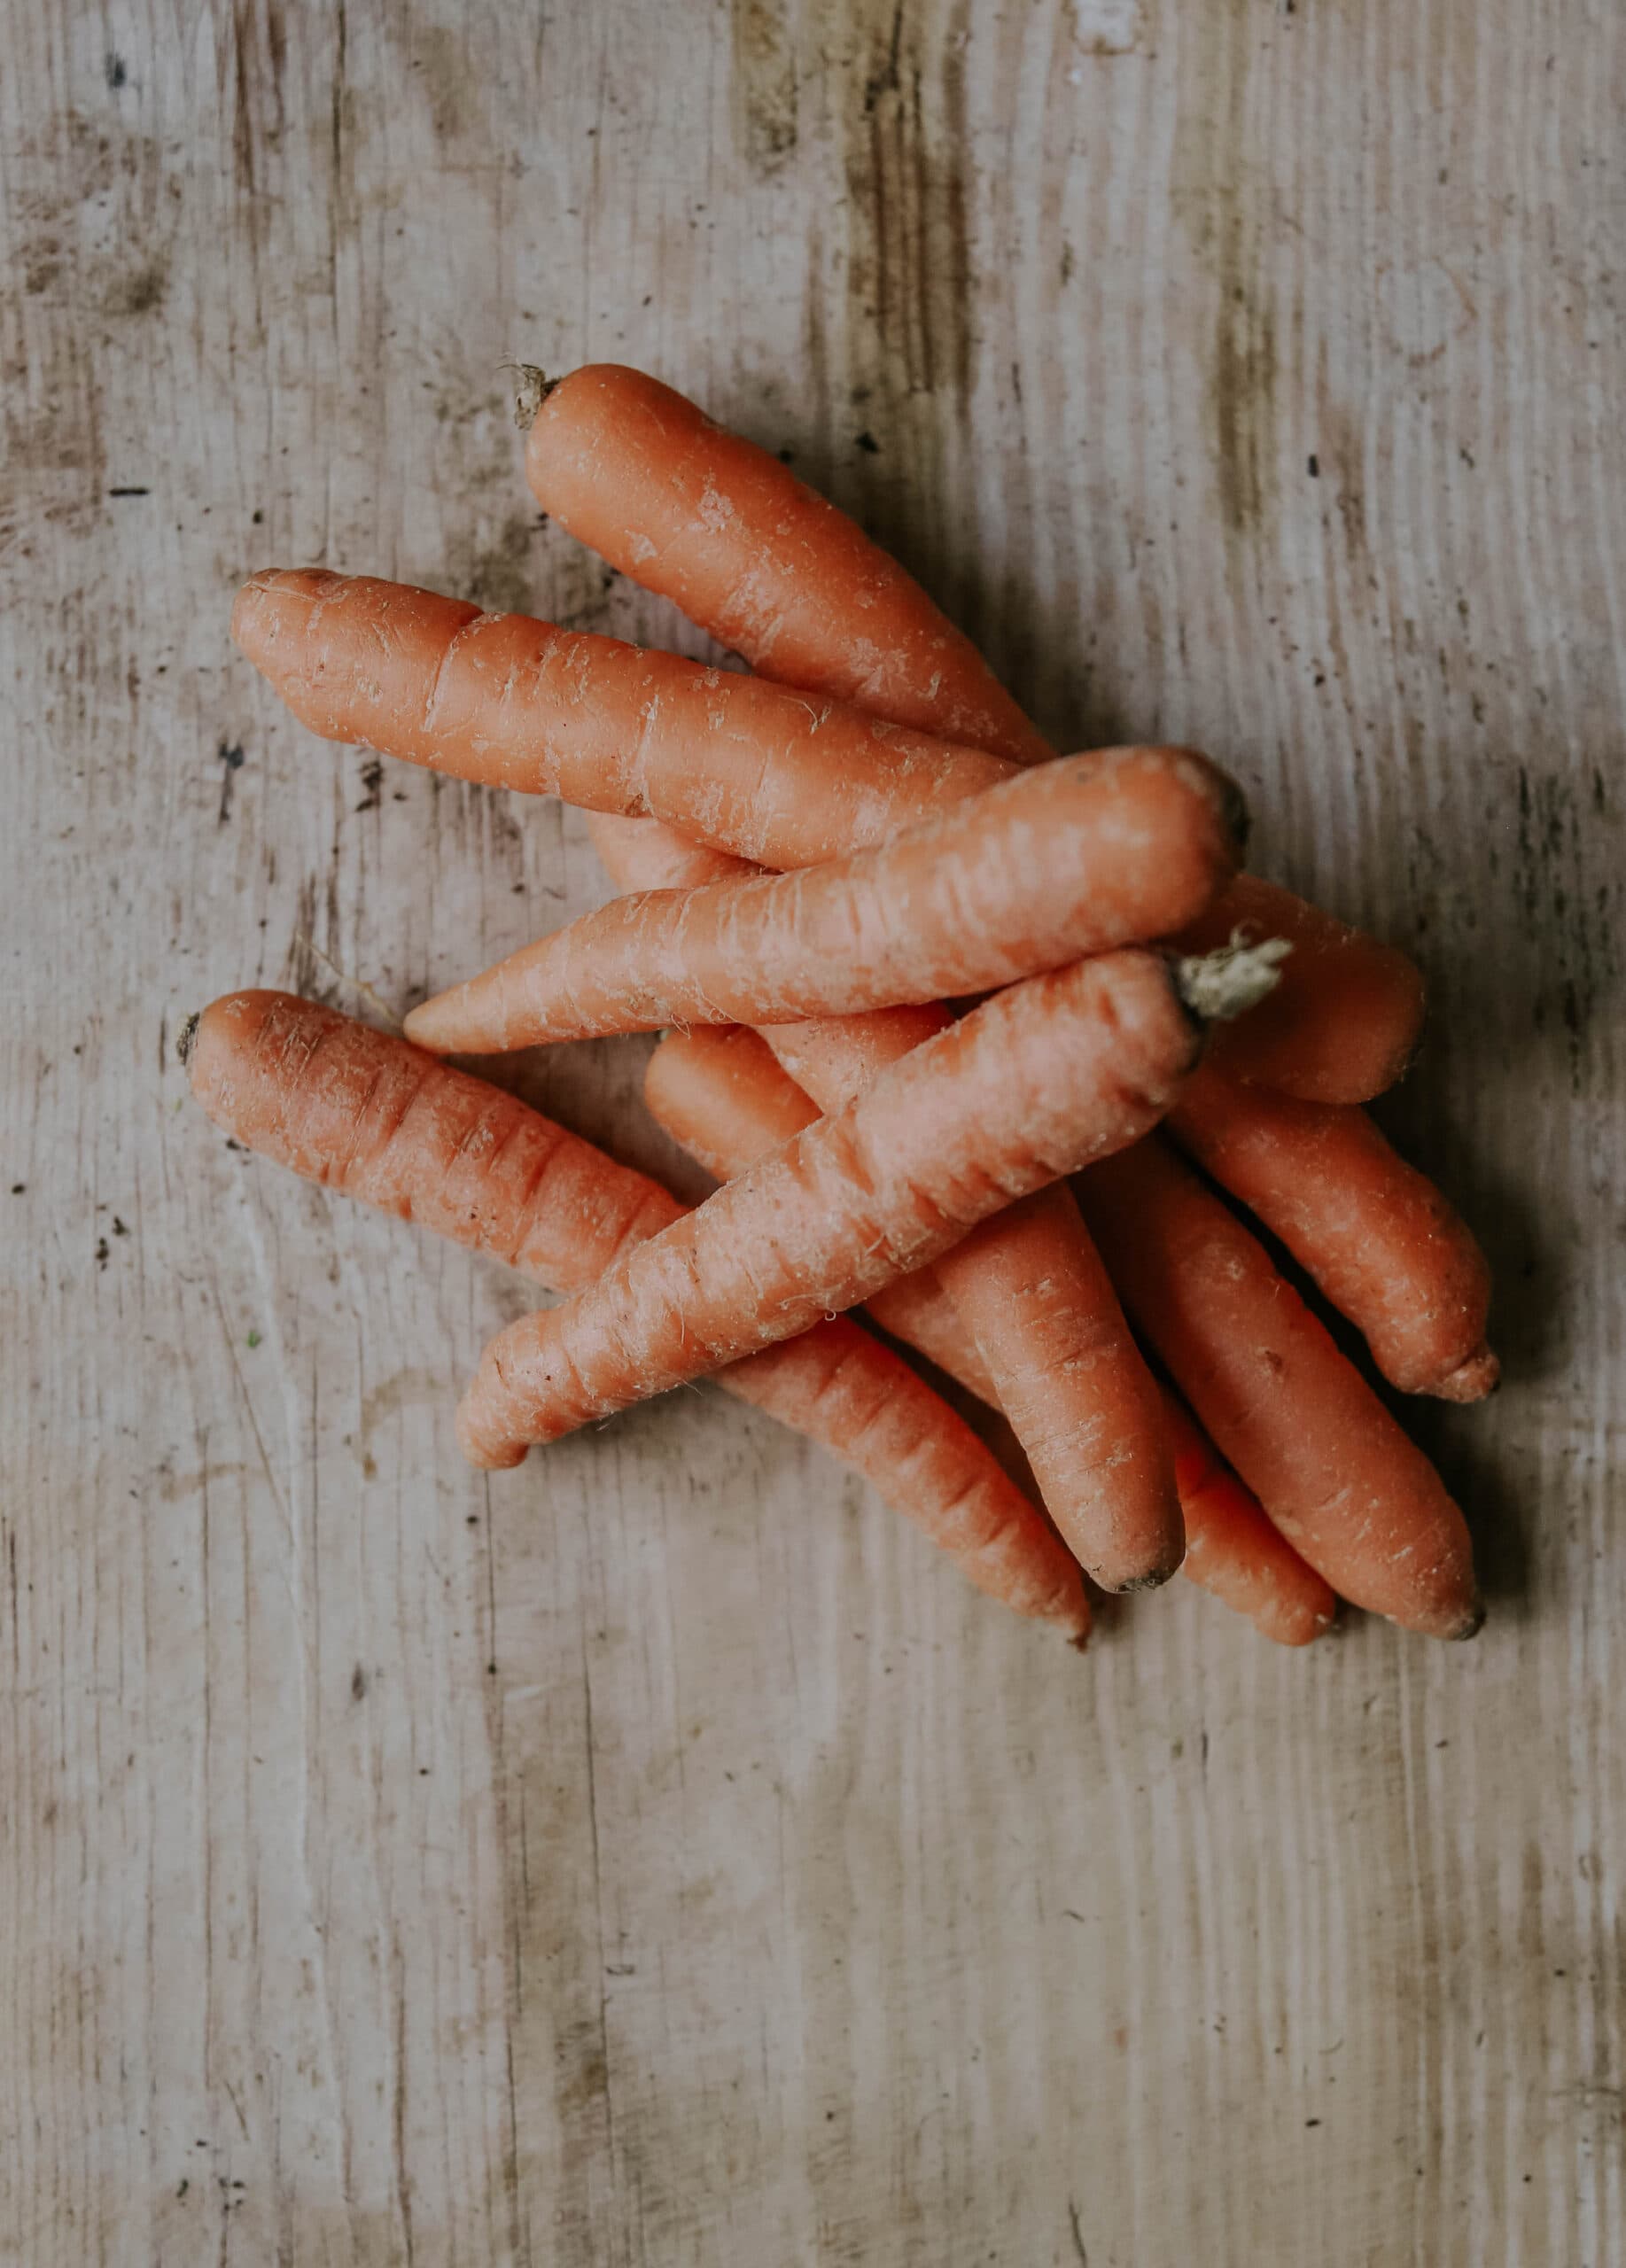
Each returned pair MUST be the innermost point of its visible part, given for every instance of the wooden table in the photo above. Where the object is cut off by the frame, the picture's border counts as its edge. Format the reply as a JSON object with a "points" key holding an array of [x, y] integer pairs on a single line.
{"points": [[656, 1856]]}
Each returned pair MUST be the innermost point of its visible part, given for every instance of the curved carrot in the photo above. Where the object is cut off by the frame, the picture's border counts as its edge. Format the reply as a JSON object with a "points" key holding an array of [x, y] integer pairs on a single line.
{"points": [[1035, 1081], [1343, 1024], [1374, 1234], [776, 572], [364, 1112], [1074, 856], [1122, 1518], [500, 698], [1350, 1491], [722, 1096], [1235, 1551]]}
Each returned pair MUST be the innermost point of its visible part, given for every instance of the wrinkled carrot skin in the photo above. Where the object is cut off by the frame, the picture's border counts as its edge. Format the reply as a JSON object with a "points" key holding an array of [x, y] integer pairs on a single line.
{"points": [[1133, 1506], [1377, 1236], [1235, 1551], [1100, 1451], [362, 1112], [1344, 1021], [1038, 1080], [750, 767], [1073, 856], [722, 1096], [1352, 1494], [770, 568]]}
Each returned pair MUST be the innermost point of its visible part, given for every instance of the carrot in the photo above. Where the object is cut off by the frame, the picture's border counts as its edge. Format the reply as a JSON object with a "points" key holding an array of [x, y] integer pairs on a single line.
{"points": [[1303, 1430], [1343, 1024], [629, 467], [1235, 1551], [1072, 858], [659, 856], [773, 570], [512, 702], [1379, 1239], [723, 1097], [1035, 1081], [1123, 1516], [367, 1113]]}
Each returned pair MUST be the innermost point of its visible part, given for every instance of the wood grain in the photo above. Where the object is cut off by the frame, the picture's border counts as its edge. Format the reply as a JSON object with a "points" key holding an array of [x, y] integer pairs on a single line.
{"points": [[654, 1857]]}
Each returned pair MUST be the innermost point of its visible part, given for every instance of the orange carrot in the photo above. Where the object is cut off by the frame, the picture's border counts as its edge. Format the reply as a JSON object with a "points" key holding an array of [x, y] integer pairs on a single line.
{"points": [[721, 1096], [659, 856], [364, 1112], [1379, 1239], [1072, 858], [1036, 1081], [1355, 1497], [1343, 1022], [1235, 1551], [1122, 1519], [778, 574], [749, 767], [773, 571]]}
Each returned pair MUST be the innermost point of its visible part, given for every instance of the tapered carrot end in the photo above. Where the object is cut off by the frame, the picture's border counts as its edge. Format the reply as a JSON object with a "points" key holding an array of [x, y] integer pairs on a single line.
{"points": [[433, 1024], [273, 605], [1472, 1623], [1294, 1622], [486, 1450], [1473, 1380], [1153, 1580]]}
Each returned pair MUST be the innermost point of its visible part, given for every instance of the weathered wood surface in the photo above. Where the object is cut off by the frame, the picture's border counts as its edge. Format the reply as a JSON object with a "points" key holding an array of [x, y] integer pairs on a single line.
{"points": [[656, 1856]]}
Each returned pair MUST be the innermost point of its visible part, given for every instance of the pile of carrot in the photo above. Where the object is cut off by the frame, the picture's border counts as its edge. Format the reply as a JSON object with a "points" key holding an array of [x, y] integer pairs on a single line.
{"points": [[999, 1045]]}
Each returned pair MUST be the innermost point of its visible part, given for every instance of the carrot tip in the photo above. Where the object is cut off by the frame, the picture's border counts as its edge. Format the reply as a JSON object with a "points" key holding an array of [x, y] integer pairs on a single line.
{"points": [[1152, 1581], [1472, 1626], [1473, 1380], [186, 1038]]}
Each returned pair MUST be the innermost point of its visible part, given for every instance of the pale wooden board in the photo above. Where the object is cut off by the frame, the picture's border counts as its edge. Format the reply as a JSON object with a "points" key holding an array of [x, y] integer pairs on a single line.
{"points": [[656, 1856]]}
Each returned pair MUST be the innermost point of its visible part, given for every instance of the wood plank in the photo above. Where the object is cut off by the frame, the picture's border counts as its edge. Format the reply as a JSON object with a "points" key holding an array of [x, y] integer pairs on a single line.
{"points": [[654, 1856]]}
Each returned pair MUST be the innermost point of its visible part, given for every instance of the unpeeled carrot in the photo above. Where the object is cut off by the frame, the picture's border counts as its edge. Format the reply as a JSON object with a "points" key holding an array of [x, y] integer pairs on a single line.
{"points": [[789, 582], [773, 570], [1350, 1492], [719, 1094], [1377, 1236], [1041, 1078], [753, 768], [722, 1096], [1121, 1518], [1343, 1024], [1072, 858], [1235, 1551], [367, 1113]]}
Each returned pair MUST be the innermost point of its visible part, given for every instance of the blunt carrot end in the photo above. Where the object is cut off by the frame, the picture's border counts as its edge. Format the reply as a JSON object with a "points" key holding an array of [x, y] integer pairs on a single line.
{"points": [[1152, 1581], [1473, 1380], [1472, 1623]]}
